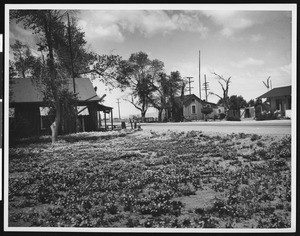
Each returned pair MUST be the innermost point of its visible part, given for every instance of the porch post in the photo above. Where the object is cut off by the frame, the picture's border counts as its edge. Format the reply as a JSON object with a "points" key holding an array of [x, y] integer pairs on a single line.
{"points": [[105, 121], [112, 119]]}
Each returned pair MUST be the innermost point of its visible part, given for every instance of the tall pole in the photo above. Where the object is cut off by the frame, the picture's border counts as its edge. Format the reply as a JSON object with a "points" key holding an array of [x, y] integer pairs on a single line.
{"points": [[190, 81], [199, 78], [119, 107], [205, 84]]}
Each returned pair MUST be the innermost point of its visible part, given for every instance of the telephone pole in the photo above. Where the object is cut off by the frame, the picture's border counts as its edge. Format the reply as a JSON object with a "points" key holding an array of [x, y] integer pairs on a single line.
{"points": [[119, 107], [190, 81], [199, 78], [205, 85]]}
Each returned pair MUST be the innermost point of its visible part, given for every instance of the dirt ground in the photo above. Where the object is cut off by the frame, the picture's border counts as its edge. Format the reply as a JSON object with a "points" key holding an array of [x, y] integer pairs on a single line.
{"points": [[151, 179]]}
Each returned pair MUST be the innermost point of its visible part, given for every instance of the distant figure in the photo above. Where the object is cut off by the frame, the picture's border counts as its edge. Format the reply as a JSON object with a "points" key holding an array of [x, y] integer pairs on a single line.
{"points": [[130, 123]]}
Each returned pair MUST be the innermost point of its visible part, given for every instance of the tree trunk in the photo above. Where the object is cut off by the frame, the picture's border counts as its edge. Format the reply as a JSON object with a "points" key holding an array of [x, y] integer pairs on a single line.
{"points": [[56, 123], [160, 115], [143, 113]]}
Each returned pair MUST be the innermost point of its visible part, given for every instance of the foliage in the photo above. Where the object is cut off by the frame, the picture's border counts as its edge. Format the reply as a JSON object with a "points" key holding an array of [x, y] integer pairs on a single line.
{"points": [[140, 73], [85, 182], [222, 116], [236, 102], [206, 110], [271, 115], [63, 55]]}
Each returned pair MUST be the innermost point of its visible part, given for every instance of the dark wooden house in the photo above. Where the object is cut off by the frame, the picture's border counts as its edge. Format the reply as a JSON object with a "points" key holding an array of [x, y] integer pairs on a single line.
{"points": [[26, 105]]}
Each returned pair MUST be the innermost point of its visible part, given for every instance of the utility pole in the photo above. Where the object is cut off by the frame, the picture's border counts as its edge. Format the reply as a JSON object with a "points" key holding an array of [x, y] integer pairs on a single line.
{"points": [[119, 107], [199, 78], [205, 85], [190, 81]]}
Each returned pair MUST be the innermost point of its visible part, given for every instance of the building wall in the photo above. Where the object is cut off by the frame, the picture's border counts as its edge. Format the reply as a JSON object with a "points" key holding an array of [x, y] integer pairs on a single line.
{"points": [[280, 103], [187, 111], [27, 121]]}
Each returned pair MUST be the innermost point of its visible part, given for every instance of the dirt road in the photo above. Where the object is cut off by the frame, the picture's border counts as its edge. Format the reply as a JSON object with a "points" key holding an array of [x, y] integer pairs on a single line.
{"points": [[274, 127]]}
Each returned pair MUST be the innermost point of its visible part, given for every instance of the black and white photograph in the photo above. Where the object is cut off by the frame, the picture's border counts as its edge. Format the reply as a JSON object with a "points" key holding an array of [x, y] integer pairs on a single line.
{"points": [[150, 118]]}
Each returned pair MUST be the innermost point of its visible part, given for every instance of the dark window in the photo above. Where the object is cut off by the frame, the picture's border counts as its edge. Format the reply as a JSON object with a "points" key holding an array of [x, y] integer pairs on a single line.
{"points": [[278, 104], [289, 105], [193, 109]]}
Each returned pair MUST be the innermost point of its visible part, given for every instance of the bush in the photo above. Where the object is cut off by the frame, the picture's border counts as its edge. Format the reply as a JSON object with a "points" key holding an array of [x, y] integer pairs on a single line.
{"points": [[222, 116], [269, 115], [231, 118]]}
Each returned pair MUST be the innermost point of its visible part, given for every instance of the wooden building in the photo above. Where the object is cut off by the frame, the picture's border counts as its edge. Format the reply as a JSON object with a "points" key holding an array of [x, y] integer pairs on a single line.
{"points": [[191, 107], [26, 106], [280, 99]]}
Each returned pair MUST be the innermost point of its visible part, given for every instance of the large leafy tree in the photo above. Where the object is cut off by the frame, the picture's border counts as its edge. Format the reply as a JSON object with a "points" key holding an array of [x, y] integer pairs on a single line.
{"points": [[176, 89], [63, 55], [236, 102], [159, 97], [140, 74], [46, 24]]}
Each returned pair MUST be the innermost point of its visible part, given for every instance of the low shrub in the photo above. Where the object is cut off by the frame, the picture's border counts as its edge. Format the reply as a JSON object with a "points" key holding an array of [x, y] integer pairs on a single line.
{"points": [[231, 118], [222, 116]]}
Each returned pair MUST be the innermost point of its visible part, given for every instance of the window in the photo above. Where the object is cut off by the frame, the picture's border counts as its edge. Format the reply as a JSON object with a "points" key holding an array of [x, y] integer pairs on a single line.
{"points": [[193, 109], [278, 104]]}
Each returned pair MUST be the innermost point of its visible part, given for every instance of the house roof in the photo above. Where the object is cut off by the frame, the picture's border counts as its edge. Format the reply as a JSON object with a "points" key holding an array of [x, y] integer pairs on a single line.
{"points": [[278, 92], [24, 90], [189, 97]]}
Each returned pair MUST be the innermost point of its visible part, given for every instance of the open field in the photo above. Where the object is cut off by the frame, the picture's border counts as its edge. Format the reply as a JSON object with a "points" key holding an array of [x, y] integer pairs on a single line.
{"points": [[152, 179]]}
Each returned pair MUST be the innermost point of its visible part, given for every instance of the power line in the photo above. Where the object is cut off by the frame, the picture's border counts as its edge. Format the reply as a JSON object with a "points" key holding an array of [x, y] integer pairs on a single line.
{"points": [[205, 85], [189, 82], [199, 78]]}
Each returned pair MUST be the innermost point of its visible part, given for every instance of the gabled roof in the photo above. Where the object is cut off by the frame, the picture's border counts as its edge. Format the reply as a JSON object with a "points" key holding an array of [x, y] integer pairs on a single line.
{"points": [[278, 92], [189, 97], [24, 90]]}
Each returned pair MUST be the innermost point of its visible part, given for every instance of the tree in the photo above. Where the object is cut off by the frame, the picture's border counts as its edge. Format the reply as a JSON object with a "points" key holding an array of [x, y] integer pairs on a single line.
{"points": [[206, 111], [45, 24], [177, 87], [236, 102], [167, 87], [53, 71], [158, 99], [139, 73], [24, 61], [251, 103], [224, 99]]}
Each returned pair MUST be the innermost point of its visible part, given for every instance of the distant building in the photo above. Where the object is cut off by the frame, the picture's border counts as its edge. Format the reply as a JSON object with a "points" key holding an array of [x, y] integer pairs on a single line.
{"points": [[280, 99], [29, 115], [247, 112], [192, 106]]}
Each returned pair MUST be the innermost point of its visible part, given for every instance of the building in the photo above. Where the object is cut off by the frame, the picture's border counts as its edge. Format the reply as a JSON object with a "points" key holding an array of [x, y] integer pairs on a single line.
{"points": [[192, 106], [280, 99], [29, 115]]}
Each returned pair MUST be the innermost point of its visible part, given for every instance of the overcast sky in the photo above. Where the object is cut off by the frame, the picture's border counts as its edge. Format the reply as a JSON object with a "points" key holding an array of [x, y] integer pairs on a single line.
{"points": [[247, 45]]}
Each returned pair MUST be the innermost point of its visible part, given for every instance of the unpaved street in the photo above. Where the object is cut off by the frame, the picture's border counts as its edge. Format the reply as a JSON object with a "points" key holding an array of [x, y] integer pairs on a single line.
{"points": [[274, 127]]}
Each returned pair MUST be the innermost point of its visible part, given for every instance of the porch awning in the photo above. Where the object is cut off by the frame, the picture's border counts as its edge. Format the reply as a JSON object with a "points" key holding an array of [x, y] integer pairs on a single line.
{"points": [[103, 108]]}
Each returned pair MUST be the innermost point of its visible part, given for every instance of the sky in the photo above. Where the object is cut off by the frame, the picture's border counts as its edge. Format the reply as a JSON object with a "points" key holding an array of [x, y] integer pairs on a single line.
{"points": [[246, 45]]}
